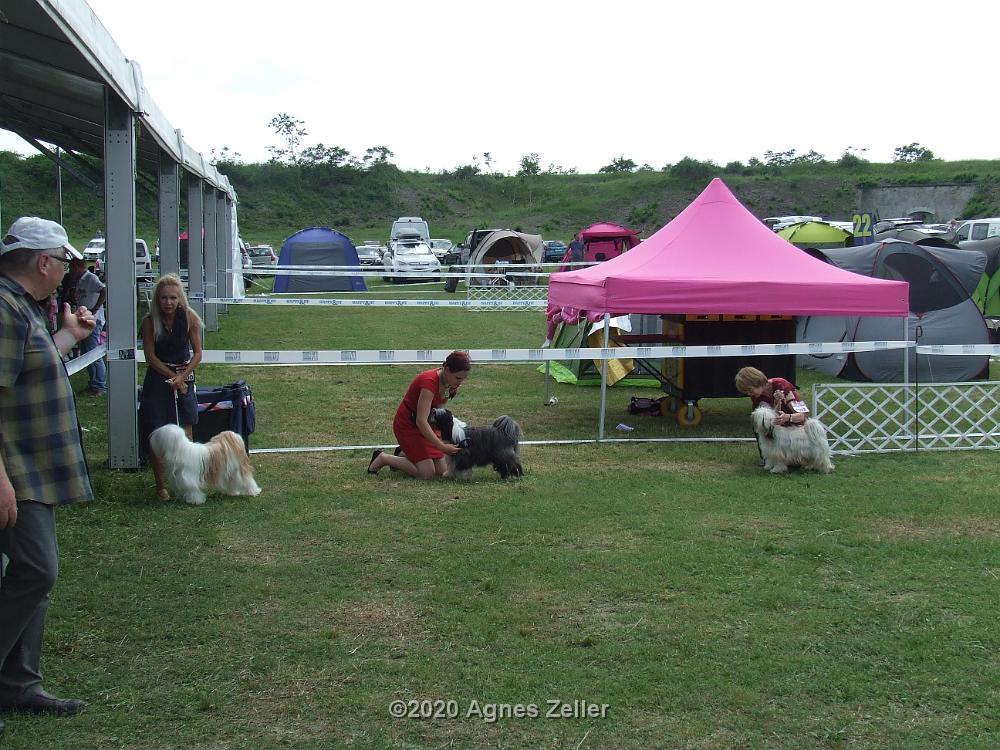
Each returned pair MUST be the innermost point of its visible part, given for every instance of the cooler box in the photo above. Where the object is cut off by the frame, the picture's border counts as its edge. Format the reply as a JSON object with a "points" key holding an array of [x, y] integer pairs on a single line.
{"points": [[225, 407]]}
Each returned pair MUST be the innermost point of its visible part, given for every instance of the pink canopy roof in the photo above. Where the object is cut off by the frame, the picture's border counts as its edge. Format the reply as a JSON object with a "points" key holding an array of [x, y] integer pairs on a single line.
{"points": [[716, 257], [606, 229]]}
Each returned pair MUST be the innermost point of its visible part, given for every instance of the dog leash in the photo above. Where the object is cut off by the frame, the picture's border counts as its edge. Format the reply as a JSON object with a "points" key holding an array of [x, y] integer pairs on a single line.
{"points": [[177, 411]]}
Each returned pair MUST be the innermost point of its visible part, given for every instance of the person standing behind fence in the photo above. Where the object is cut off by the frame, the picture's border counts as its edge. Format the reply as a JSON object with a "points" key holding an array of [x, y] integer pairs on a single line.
{"points": [[423, 450], [171, 341], [42, 463], [84, 288]]}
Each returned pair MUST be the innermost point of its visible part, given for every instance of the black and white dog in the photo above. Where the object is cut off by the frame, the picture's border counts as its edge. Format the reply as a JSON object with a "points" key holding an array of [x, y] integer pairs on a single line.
{"points": [[480, 446]]}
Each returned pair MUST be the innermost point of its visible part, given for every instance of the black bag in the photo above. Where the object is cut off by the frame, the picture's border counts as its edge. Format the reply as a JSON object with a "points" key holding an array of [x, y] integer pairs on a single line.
{"points": [[226, 407], [643, 405]]}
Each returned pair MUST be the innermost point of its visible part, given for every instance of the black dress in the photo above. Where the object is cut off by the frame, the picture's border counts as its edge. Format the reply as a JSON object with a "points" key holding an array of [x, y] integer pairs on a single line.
{"points": [[156, 407]]}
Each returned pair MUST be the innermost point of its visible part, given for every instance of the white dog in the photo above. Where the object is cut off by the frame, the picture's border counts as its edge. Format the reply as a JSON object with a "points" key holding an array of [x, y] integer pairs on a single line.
{"points": [[797, 445], [192, 468]]}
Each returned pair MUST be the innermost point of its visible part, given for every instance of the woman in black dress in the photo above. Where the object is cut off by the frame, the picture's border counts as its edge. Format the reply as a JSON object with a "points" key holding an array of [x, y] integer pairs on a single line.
{"points": [[171, 341]]}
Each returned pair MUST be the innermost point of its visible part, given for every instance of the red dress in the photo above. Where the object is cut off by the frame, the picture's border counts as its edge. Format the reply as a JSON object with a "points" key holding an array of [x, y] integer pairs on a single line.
{"points": [[789, 402], [404, 425]]}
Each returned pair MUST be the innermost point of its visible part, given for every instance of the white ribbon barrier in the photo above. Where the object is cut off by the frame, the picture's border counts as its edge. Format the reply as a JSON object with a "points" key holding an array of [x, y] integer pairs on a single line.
{"points": [[78, 363], [582, 441], [960, 349], [296, 301], [375, 268], [479, 356], [411, 273]]}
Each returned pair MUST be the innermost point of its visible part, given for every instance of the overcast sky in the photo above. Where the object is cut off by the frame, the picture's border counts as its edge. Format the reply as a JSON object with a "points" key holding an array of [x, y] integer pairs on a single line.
{"points": [[579, 83]]}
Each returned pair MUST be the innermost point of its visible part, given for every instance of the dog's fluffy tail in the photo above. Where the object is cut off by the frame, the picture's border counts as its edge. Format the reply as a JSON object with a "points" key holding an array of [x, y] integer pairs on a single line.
{"points": [[508, 427]]}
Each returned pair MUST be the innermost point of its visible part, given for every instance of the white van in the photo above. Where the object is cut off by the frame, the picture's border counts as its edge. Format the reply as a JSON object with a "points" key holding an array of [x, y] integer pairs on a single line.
{"points": [[143, 261], [410, 226], [977, 229]]}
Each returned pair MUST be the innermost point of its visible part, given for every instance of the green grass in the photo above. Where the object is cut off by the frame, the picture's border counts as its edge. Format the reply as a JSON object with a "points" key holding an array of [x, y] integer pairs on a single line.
{"points": [[708, 604]]}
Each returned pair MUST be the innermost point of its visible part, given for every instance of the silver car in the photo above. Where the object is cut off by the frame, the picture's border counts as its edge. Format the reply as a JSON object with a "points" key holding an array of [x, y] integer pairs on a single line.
{"points": [[413, 258]]}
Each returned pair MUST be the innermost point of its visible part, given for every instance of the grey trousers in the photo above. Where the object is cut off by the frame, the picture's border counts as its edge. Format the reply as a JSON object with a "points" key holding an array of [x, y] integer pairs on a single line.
{"points": [[33, 565]]}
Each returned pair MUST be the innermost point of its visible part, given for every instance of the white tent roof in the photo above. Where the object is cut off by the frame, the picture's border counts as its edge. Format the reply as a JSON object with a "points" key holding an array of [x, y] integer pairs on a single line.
{"points": [[56, 58]]}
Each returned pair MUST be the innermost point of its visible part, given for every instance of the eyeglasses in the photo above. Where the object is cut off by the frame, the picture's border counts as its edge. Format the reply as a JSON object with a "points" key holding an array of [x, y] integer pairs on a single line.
{"points": [[63, 258]]}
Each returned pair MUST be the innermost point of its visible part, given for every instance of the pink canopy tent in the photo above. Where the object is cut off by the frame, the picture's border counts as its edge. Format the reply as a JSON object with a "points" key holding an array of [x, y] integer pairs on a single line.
{"points": [[716, 257], [605, 241]]}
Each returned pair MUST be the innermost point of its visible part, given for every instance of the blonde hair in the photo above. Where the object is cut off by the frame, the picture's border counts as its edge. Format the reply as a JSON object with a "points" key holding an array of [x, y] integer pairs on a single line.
{"points": [[749, 377], [170, 279]]}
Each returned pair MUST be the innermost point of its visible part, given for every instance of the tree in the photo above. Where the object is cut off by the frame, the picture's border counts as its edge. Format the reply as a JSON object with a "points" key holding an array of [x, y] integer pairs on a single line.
{"points": [[225, 155], [621, 164], [292, 131], [692, 169], [912, 152], [320, 154], [377, 155], [852, 157], [530, 166], [787, 158]]}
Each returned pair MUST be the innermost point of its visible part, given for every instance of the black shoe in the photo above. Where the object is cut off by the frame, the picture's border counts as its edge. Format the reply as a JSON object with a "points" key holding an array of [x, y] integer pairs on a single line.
{"points": [[375, 454], [41, 702]]}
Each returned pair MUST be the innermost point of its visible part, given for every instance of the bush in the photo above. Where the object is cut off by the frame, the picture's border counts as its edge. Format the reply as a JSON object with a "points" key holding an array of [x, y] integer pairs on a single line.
{"points": [[693, 170]]}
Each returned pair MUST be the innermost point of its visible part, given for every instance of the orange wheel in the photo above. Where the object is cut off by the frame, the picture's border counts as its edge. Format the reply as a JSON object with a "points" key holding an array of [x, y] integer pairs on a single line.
{"points": [[689, 416]]}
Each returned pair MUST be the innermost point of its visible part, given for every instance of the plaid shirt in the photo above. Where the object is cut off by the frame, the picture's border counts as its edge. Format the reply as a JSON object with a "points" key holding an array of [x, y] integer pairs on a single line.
{"points": [[39, 430]]}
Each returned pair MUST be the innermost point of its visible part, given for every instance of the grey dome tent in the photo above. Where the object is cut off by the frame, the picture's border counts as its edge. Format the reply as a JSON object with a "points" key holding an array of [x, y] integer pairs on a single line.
{"points": [[942, 311], [318, 246], [505, 246]]}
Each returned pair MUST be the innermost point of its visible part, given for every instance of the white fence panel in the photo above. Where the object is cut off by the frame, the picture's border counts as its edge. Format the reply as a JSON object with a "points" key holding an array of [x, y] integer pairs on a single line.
{"points": [[886, 417]]}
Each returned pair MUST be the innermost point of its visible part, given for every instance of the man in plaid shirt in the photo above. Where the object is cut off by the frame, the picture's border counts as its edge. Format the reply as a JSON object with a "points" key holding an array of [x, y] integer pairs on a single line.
{"points": [[41, 455]]}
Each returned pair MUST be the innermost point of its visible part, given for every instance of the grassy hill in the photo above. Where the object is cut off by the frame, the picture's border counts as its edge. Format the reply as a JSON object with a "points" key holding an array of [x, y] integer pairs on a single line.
{"points": [[278, 199]]}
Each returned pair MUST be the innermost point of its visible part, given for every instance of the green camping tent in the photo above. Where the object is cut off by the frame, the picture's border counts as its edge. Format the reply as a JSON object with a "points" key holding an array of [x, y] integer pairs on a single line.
{"points": [[819, 235]]}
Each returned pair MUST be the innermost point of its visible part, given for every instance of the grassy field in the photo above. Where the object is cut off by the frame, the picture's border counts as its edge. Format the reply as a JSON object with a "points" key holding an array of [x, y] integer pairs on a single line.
{"points": [[704, 603]]}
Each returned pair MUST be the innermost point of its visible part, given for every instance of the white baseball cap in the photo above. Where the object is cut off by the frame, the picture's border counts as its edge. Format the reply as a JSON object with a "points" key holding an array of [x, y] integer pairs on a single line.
{"points": [[34, 233]]}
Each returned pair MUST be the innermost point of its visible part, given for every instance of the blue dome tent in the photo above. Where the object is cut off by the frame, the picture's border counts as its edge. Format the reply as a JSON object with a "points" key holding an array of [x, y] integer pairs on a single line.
{"points": [[319, 246]]}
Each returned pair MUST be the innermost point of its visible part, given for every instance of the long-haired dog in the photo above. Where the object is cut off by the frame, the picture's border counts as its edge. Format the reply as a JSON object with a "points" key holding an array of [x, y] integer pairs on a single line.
{"points": [[496, 445], [192, 468], [795, 445]]}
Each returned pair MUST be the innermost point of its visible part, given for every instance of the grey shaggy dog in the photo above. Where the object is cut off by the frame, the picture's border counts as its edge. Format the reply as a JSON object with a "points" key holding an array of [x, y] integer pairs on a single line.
{"points": [[496, 445]]}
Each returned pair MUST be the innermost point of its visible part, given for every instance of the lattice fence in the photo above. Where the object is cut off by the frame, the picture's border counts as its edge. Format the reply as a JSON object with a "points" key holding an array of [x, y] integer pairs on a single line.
{"points": [[513, 294], [884, 417]]}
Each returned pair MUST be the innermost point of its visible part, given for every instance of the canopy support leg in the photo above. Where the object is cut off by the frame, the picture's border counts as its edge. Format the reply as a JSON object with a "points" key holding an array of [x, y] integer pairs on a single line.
{"points": [[604, 376]]}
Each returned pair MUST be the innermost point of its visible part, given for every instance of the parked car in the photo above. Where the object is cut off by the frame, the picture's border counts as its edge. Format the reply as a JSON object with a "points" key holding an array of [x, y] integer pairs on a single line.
{"points": [[94, 250], [410, 225], [411, 257], [245, 254], [777, 223], [977, 229], [553, 251], [441, 248], [143, 261], [263, 255], [370, 253]]}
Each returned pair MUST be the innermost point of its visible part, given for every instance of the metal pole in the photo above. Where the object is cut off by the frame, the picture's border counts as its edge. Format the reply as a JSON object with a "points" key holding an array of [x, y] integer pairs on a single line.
{"points": [[604, 375], [906, 381], [59, 184]]}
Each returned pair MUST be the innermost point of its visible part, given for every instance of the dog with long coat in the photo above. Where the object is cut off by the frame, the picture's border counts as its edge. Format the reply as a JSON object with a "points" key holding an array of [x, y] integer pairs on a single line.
{"points": [[791, 445], [496, 445]]}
